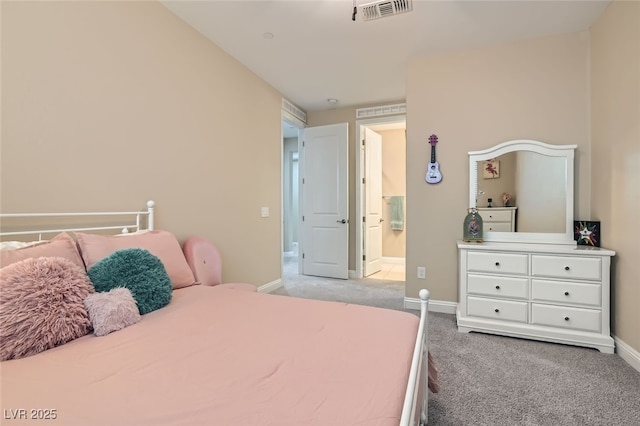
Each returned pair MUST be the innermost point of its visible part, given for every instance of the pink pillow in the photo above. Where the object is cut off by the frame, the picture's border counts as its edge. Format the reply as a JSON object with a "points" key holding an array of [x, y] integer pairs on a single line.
{"points": [[204, 259], [42, 305], [62, 245], [112, 310], [162, 244]]}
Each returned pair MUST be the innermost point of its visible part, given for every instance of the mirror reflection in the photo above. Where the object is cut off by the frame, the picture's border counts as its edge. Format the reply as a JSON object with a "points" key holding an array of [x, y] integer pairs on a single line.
{"points": [[539, 180], [527, 191]]}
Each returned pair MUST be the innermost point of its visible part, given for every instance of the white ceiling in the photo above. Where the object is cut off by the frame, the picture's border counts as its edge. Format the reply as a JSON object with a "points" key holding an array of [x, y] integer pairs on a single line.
{"points": [[317, 52]]}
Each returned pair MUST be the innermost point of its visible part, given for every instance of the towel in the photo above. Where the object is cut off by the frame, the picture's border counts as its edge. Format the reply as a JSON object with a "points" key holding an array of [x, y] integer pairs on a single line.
{"points": [[397, 212]]}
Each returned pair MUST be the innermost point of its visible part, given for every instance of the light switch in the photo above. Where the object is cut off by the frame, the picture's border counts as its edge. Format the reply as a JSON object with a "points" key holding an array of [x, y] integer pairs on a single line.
{"points": [[422, 272], [264, 212]]}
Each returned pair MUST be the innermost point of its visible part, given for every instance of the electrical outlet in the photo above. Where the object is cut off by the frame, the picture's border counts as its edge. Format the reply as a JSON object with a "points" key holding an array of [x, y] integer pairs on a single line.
{"points": [[264, 212], [422, 272]]}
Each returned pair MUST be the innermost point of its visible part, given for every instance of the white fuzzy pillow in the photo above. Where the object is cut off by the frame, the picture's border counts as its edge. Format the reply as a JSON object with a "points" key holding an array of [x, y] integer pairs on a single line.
{"points": [[112, 310]]}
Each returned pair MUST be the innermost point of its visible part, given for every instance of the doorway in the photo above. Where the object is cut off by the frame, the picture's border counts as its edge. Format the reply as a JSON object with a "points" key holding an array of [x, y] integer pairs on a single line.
{"points": [[391, 201], [290, 195]]}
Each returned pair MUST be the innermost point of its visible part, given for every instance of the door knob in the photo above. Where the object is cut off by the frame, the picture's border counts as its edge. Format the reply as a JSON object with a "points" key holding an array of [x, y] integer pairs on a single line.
{"points": [[381, 220], [342, 221]]}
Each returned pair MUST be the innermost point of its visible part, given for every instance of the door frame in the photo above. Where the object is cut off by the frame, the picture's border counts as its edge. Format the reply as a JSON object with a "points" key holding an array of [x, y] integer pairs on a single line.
{"points": [[360, 124], [372, 207], [288, 118]]}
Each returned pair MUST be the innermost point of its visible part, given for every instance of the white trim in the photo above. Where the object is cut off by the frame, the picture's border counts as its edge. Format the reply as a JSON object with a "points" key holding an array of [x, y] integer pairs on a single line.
{"points": [[353, 275], [288, 118], [394, 260], [378, 111], [271, 287], [293, 110], [441, 306], [626, 352]]}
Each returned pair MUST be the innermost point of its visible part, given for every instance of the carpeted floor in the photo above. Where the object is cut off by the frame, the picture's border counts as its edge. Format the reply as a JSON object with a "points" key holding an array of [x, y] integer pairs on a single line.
{"points": [[495, 380]]}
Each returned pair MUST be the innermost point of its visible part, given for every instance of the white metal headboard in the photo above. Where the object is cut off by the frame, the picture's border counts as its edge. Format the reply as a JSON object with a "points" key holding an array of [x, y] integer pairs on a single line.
{"points": [[124, 216]]}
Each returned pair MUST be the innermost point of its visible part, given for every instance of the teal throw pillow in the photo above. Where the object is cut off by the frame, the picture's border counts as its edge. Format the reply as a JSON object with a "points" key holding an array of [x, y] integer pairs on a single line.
{"points": [[139, 271]]}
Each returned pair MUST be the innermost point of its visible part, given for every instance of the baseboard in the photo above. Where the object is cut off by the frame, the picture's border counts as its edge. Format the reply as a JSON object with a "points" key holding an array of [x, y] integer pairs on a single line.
{"points": [[352, 275], [627, 353], [269, 287], [441, 306], [397, 260]]}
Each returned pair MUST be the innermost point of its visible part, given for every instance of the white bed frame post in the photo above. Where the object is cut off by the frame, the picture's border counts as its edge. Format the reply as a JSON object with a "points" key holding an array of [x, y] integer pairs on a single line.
{"points": [[416, 400], [150, 222]]}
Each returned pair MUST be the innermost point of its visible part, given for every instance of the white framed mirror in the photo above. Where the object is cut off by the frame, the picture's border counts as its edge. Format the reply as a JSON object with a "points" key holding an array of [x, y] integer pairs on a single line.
{"points": [[539, 178]]}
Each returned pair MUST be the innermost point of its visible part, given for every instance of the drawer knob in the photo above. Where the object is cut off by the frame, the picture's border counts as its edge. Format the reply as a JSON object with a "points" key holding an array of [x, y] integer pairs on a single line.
{"points": [[566, 318], [497, 287], [566, 268], [497, 263], [497, 310], [566, 293]]}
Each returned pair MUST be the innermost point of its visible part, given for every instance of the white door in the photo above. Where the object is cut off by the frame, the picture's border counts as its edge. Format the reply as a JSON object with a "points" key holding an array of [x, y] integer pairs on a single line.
{"points": [[325, 201], [372, 241]]}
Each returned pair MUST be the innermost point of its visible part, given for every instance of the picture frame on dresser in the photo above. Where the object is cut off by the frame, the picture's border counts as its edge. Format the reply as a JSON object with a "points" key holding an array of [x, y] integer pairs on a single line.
{"points": [[587, 233]]}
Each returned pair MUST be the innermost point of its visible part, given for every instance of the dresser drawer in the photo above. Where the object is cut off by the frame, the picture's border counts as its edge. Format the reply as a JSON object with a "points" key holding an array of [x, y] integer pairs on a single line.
{"points": [[496, 226], [564, 292], [501, 263], [565, 317], [497, 286], [566, 267], [497, 309], [496, 215]]}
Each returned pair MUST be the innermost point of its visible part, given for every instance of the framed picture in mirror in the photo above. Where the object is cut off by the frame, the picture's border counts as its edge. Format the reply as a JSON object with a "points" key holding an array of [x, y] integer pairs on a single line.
{"points": [[491, 169], [586, 233]]}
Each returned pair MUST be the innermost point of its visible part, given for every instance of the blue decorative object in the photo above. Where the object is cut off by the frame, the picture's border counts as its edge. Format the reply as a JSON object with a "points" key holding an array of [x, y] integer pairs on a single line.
{"points": [[139, 271], [472, 232]]}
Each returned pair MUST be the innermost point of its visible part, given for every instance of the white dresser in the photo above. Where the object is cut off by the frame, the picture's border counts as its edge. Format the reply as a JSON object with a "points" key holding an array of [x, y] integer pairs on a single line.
{"points": [[500, 219], [556, 293]]}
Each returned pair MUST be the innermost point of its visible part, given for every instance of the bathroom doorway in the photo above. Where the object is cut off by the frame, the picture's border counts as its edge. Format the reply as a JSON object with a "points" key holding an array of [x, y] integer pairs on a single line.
{"points": [[391, 200]]}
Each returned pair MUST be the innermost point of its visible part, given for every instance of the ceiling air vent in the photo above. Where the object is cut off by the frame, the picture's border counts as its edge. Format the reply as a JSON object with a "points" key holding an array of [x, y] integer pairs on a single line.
{"points": [[382, 9]]}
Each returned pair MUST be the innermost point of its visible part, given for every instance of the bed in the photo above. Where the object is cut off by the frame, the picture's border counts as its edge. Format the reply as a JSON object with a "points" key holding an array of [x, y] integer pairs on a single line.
{"points": [[214, 355]]}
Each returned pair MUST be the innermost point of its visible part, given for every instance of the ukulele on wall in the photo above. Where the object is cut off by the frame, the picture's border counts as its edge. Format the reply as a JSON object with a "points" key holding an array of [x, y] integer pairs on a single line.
{"points": [[433, 170]]}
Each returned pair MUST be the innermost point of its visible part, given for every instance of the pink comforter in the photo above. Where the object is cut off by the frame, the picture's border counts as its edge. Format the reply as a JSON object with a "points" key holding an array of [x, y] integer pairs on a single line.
{"points": [[215, 356]]}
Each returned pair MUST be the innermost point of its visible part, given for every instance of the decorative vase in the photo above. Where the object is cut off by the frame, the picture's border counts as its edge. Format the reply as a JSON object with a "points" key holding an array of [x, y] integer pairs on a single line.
{"points": [[472, 231]]}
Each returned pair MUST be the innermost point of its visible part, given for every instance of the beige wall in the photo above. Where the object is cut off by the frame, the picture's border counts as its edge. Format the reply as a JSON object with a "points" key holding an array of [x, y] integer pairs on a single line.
{"points": [[536, 89], [615, 131], [108, 104], [394, 182]]}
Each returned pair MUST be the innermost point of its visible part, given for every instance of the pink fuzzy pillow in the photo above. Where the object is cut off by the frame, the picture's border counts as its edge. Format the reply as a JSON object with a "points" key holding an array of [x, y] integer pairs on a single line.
{"points": [[41, 305], [112, 310]]}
